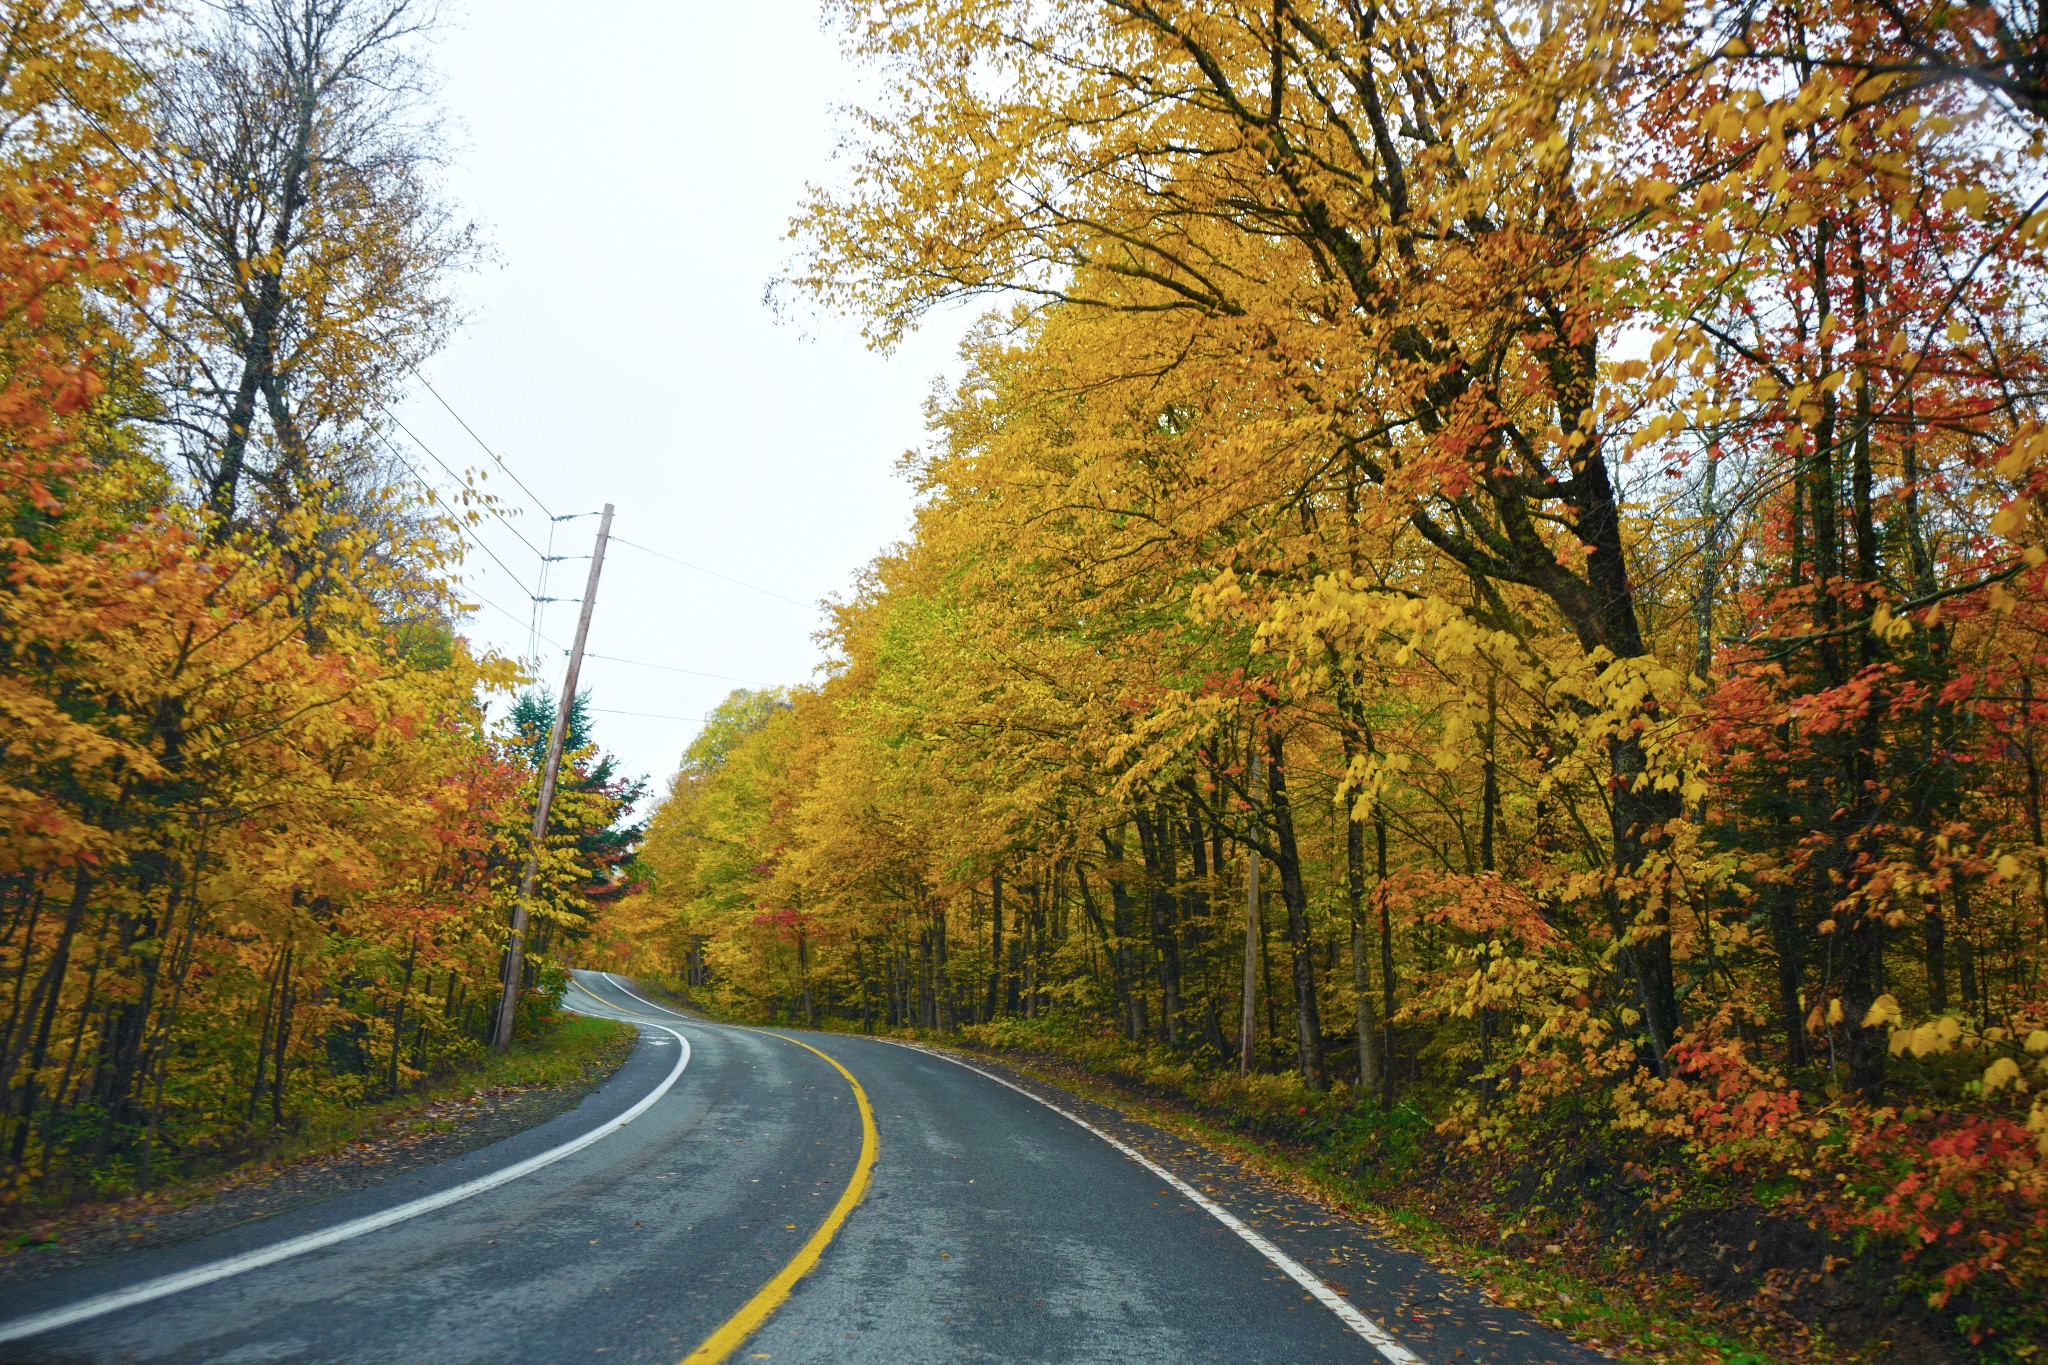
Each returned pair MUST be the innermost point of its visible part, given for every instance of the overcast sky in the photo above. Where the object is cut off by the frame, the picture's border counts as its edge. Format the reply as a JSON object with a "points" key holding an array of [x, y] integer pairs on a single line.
{"points": [[635, 165]]}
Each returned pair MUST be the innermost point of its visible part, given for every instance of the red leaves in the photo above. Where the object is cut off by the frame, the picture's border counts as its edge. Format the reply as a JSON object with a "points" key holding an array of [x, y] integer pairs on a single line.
{"points": [[1483, 903]]}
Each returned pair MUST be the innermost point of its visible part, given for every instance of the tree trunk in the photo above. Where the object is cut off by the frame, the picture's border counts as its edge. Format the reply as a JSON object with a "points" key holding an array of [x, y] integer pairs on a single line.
{"points": [[1966, 954], [272, 990], [1361, 977], [1308, 1028], [1034, 933], [50, 985], [1120, 984], [284, 1038], [398, 1013], [1934, 932], [259, 353], [995, 953], [1383, 897], [803, 970], [1155, 839]]}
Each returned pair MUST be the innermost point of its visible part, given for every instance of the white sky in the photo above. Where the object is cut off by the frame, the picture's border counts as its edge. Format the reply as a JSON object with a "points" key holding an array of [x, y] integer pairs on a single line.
{"points": [[635, 167]]}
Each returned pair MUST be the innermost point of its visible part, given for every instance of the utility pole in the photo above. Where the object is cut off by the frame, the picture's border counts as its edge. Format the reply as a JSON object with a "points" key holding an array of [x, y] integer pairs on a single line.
{"points": [[515, 956], [1247, 1030]]}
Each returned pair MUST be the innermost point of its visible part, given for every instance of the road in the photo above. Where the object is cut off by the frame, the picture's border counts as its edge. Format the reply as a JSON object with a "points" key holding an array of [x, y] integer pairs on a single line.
{"points": [[992, 1228]]}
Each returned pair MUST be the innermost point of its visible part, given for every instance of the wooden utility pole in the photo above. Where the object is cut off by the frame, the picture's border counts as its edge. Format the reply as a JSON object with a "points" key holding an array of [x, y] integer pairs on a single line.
{"points": [[515, 956], [1247, 1034]]}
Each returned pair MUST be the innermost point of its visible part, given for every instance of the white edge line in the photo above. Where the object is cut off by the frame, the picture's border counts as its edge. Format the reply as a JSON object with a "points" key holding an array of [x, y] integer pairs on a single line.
{"points": [[673, 1014], [1389, 1347], [148, 1290], [1382, 1340]]}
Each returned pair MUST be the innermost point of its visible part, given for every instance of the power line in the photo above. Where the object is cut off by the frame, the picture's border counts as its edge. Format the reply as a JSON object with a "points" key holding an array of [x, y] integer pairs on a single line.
{"points": [[487, 450], [765, 592], [485, 601], [421, 480], [532, 623], [543, 555], [499, 562], [449, 470], [650, 715], [671, 668], [548, 558], [547, 562]]}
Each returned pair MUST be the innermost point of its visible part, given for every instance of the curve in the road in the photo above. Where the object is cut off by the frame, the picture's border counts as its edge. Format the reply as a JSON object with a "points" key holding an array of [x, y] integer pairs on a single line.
{"points": [[989, 1230], [743, 1324], [100, 1304], [772, 1295], [735, 1330]]}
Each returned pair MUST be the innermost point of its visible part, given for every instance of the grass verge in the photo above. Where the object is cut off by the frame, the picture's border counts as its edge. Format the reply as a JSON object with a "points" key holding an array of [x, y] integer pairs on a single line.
{"points": [[573, 1050]]}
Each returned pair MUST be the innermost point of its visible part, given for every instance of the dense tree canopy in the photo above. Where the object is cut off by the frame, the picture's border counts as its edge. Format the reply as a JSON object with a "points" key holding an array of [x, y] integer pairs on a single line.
{"points": [[1554, 486], [257, 836]]}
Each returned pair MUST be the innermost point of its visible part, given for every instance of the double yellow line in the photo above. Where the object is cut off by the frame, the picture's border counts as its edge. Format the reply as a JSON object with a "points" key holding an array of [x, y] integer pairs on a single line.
{"points": [[775, 1293]]}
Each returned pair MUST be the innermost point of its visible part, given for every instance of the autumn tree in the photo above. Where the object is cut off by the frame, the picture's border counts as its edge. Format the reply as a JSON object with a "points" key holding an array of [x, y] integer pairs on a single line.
{"points": [[251, 835], [293, 162], [1560, 488], [591, 836]]}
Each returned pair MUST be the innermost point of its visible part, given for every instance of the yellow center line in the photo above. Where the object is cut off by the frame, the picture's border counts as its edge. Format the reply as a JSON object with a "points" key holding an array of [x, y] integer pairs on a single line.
{"points": [[775, 1293]]}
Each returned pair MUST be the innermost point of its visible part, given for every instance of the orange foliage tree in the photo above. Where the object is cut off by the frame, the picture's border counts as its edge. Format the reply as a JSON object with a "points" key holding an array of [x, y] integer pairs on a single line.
{"points": [[255, 833]]}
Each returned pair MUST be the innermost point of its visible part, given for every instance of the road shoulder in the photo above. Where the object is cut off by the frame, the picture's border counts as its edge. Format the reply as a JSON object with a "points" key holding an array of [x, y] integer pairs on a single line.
{"points": [[1434, 1312]]}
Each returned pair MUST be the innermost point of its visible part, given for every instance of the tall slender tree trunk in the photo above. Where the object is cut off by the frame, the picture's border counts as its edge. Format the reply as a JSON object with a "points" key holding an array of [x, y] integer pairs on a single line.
{"points": [[2033, 767], [1135, 1022], [1120, 985], [995, 950], [43, 1001], [1785, 939], [803, 970], [1034, 932], [62, 1091], [398, 1012], [266, 314], [1382, 897], [1934, 934], [273, 985], [1862, 926], [159, 1065], [1489, 817], [1966, 954], [1352, 734], [286, 1004], [1154, 838], [1308, 1028], [860, 972], [15, 1020], [1361, 976]]}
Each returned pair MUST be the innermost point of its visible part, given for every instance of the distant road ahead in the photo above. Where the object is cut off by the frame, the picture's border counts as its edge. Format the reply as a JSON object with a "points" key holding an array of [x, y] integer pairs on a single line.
{"points": [[993, 1229]]}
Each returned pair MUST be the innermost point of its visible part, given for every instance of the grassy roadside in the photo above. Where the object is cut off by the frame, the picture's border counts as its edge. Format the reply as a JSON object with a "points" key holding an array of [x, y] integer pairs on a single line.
{"points": [[468, 1106], [574, 1050]]}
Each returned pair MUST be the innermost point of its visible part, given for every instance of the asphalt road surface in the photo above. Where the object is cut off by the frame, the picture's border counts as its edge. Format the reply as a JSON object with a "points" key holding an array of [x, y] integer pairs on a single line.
{"points": [[993, 1228]]}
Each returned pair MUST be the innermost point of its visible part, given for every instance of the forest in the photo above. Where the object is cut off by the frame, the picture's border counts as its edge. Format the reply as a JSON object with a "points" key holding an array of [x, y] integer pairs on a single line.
{"points": [[1485, 562], [259, 836]]}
